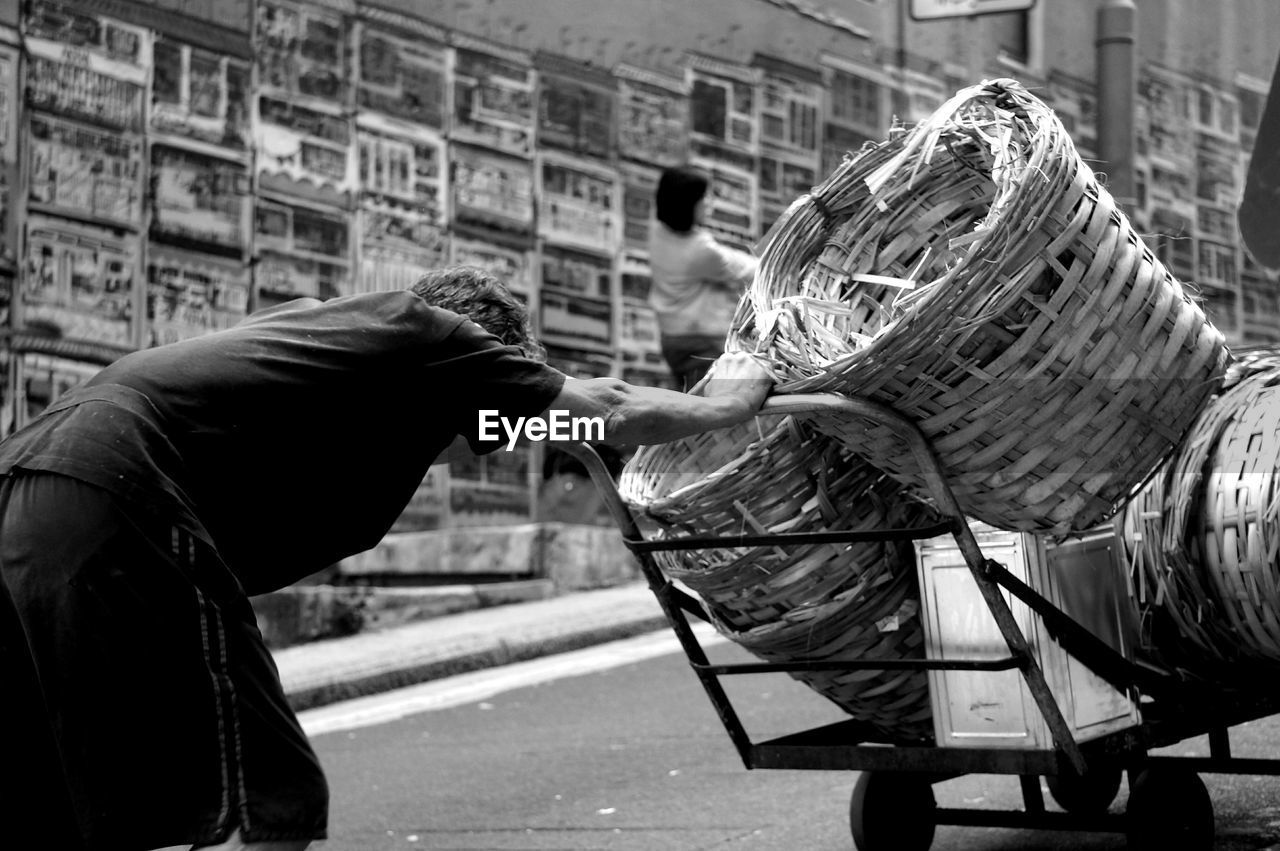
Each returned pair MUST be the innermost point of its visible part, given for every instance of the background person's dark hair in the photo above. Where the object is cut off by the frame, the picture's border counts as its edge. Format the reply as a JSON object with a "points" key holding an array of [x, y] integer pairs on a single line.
{"points": [[483, 299], [679, 190]]}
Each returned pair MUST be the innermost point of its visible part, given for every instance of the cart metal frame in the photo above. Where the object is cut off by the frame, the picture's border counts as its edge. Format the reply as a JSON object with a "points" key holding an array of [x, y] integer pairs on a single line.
{"points": [[1172, 710]]}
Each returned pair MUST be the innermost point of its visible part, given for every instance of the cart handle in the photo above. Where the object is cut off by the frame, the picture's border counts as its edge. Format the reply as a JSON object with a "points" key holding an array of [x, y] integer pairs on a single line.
{"points": [[906, 430], [799, 404]]}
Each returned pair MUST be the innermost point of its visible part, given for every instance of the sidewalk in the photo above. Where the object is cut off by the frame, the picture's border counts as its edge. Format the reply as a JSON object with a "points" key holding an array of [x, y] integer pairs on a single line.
{"points": [[330, 670]]}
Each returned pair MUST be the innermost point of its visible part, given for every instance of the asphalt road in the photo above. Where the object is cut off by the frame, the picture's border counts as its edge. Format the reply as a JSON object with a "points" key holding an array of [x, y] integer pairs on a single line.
{"points": [[634, 758]]}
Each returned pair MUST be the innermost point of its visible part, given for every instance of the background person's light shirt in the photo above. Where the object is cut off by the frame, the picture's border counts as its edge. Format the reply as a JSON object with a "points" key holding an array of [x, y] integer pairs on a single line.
{"points": [[696, 281]]}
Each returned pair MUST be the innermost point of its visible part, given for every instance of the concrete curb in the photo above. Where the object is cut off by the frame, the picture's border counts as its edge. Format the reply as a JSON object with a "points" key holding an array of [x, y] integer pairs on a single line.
{"points": [[504, 653], [323, 672], [307, 613]]}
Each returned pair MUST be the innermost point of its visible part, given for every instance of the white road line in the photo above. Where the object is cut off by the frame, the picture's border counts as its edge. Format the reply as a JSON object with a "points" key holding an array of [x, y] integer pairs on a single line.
{"points": [[480, 685]]}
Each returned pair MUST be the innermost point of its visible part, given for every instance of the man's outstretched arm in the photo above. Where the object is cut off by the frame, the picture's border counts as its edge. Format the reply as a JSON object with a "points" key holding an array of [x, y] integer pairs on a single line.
{"points": [[733, 392]]}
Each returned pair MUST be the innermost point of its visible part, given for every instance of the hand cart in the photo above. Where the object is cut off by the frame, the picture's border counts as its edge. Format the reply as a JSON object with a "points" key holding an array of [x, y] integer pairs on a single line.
{"points": [[893, 806]]}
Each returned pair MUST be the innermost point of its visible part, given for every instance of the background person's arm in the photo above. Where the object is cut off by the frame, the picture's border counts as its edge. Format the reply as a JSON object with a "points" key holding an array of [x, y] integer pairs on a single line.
{"points": [[732, 393], [724, 265]]}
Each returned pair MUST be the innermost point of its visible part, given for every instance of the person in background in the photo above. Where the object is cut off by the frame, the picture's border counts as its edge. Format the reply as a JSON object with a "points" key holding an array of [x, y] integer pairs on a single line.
{"points": [[697, 281], [141, 510]]}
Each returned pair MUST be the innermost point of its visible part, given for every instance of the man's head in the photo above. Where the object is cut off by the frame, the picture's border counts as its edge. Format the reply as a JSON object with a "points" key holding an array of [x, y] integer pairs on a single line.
{"points": [[483, 299], [680, 189]]}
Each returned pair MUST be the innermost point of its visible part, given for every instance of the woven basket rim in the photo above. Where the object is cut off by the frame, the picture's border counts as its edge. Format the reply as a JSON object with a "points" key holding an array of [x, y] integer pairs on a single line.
{"points": [[933, 290]]}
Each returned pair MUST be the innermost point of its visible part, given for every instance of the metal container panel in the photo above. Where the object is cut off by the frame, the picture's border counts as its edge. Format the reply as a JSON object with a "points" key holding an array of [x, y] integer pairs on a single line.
{"points": [[995, 709], [1086, 580]]}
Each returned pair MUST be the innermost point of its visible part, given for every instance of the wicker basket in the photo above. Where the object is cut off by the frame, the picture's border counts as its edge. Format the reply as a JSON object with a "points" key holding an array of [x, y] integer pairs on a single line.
{"points": [[1207, 534], [1224, 510], [807, 602], [1180, 626], [974, 275]]}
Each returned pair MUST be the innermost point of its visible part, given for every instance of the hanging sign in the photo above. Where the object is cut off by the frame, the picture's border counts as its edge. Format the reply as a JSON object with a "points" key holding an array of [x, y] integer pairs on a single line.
{"points": [[289, 276], [492, 189], [199, 94], [723, 107], [638, 212], [570, 320], [78, 91], [732, 211], [8, 155], [198, 197], [638, 329], [653, 117], [301, 230], [507, 265], [85, 170], [929, 10], [384, 269], [190, 294], [574, 272], [400, 229], [302, 50], [1167, 98], [78, 281], [45, 379], [579, 363], [304, 152], [403, 77], [59, 32], [85, 66], [493, 98], [402, 218], [635, 276], [578, 207], [403, 171], [576, 107]]}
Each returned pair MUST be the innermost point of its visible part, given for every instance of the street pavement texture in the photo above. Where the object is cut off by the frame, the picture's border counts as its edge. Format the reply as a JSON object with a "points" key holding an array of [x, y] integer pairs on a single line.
{"points": [[331, 670]]}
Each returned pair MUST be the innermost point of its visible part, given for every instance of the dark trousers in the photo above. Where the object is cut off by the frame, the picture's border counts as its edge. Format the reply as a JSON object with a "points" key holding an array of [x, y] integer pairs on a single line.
{"points": [[140, 700]]}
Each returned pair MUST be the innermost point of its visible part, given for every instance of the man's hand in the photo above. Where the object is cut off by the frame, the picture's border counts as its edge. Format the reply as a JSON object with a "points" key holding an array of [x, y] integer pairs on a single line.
{"points": [[732, 392], [737, 374]]}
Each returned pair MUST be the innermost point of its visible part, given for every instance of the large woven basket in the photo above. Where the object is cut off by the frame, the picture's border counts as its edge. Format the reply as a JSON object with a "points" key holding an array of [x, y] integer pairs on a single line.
{"points": [[1224, 510], [973, 274], [1206, 532], [806, 602], [1181, 628]]}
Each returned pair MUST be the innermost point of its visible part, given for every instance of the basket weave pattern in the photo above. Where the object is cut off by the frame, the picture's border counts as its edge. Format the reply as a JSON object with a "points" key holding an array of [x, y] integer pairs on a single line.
{"points": [[1180, 625], [801, 602], [974, 275], [1208, 531]]}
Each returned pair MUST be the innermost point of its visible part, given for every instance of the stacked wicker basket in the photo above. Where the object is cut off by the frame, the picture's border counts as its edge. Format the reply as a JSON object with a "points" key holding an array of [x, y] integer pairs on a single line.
{"points": [[803, 603], [1203, 536], [972, 274]]}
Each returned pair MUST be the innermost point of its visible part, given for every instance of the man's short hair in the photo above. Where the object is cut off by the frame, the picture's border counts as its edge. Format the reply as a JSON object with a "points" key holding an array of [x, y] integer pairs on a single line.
{"points": [[485, 300], [679, 190]]}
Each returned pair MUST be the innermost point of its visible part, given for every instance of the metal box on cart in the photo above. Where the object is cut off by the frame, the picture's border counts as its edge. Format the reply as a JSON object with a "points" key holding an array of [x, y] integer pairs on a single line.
{"points": [[995, 709]]}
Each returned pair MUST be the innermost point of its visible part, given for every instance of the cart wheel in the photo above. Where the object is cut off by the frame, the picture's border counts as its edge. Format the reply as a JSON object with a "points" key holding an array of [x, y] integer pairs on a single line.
{"points": [[1168, 809], [1088, 794], [892, 810]]}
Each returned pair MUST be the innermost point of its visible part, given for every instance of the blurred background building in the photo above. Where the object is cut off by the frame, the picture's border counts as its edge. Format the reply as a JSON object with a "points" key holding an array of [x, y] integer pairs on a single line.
{"points": [[168, 166]]}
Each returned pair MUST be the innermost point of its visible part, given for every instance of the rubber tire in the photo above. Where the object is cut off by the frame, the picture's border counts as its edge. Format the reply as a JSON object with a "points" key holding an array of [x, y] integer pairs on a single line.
{"points": [[1169, 808], [892, 811], [1087, 795]]}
